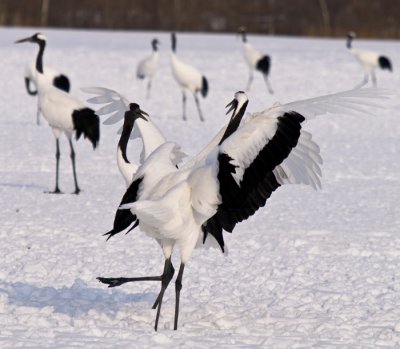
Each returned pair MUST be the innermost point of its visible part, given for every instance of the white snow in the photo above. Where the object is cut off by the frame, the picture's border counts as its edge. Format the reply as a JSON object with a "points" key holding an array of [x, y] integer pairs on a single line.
{"points": [[310, 270]]}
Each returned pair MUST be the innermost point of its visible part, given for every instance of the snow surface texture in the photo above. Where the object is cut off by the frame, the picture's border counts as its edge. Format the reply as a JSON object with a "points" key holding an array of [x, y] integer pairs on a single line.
{"points": [[310, 270]]}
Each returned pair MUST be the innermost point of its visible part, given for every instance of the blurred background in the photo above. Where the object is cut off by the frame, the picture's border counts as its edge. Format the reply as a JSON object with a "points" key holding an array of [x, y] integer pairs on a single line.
{"points": [[369, 18]]}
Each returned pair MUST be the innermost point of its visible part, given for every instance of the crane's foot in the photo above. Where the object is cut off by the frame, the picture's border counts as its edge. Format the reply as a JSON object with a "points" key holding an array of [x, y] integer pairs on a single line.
{"points": [[55, 191], [112, 282]]}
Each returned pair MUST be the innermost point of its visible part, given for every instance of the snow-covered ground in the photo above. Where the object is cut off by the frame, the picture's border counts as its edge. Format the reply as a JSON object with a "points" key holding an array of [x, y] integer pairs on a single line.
{"points": [[310, 270]]}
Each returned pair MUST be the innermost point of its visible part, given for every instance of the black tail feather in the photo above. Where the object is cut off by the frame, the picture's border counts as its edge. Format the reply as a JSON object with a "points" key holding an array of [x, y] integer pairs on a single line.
{"points": [[384, 63], [264, 64], [62, 82], [86, 122], [204, 87], [124, 218]]}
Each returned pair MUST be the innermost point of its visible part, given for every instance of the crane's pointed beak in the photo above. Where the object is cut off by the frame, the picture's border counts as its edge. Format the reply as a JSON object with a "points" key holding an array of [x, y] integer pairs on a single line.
{"points": [[23, 40], [233, 104], [142, 114]]}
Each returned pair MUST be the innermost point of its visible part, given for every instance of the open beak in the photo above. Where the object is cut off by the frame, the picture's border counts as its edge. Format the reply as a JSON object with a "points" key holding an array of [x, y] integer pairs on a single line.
{"points": [[233, 105], [142, 114], [23, 40]]}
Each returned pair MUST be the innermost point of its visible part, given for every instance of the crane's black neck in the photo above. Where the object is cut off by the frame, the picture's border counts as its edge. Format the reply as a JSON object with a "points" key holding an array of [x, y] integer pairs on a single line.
{"points": [[349, 41], [39, 57], [234, 122], [244, 37], [126, 132], [173, 42], [154, 45]]}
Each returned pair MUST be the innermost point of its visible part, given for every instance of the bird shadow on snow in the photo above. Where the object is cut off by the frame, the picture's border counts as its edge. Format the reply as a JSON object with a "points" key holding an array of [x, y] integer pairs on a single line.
{"points": [[75, 300], [22, 185]]}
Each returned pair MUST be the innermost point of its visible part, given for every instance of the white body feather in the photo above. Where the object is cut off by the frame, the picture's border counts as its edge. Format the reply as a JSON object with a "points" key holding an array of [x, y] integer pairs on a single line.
{"points": [[187, 76]]}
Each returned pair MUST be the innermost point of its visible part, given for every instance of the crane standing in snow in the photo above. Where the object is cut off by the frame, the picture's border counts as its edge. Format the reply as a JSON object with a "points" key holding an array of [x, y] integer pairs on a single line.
{"points": [[147, 68], [59, 80], [256, 61], [63, 112], [369, 60], [227, 182], [188, 79]]}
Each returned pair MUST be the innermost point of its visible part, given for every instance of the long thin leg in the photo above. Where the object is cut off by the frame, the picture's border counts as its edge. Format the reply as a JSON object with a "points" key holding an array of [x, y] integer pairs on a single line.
{"points": [[270, 90], [373, 78], [196, 99], [184, 105], [57, 189], [178, 287], [167, 275], [148, 89], [250, 80], [166, 278], [38, 115], [114, 282], [77, 190], [363, 82]]}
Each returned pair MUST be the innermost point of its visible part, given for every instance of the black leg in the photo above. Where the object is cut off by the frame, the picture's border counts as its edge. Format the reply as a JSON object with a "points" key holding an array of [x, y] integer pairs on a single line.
{"points": [[166, 278], [148, 89], [77, 190], [373, 78], [250, 81], [57, 189], [113, 282], [198, 107], [270, 90], [184, 105], [178, 287]]}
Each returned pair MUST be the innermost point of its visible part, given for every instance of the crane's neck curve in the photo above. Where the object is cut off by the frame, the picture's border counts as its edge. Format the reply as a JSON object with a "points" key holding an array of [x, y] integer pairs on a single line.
{"points": [[235, 121], [39, 57]]}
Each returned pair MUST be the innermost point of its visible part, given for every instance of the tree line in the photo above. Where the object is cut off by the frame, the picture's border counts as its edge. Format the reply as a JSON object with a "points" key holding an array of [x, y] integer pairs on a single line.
{"points": [[369, 18]]}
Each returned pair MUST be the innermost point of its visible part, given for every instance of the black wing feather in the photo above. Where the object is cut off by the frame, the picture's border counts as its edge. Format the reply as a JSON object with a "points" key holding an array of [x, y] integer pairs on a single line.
{"points": [[239, 202]]}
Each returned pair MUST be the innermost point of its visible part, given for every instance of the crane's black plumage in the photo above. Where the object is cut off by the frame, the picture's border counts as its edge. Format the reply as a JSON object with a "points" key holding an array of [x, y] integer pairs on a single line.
{"points": [[384, 63], [62, 82], [86, 123], [264, 64], [240, 201], [204, 87]]}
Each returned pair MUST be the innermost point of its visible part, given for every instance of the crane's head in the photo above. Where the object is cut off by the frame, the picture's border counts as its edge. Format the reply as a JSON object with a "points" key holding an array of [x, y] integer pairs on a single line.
{"points": [[135, 112], [154, 44], [237, 103], [351, 35], [37, 38]]}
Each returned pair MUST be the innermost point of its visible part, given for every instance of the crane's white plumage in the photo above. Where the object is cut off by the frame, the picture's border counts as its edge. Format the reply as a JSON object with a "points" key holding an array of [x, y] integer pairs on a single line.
{"points": [[63, 112], [234, 176], [147, 67], [188, 78], [58, 80], [369, 60], [255, 61], [116, 105]]}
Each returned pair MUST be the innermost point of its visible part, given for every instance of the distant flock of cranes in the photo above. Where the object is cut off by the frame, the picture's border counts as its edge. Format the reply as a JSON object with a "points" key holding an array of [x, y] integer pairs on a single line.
{"points": [[185, 204]]}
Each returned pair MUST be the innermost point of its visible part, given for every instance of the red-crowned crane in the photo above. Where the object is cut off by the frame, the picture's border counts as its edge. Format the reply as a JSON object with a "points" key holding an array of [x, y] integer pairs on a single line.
{"points": [[63, 112], [188, 79], [147, 67], [226, 183], [369, 60], [59, 80], [255, 61]]}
